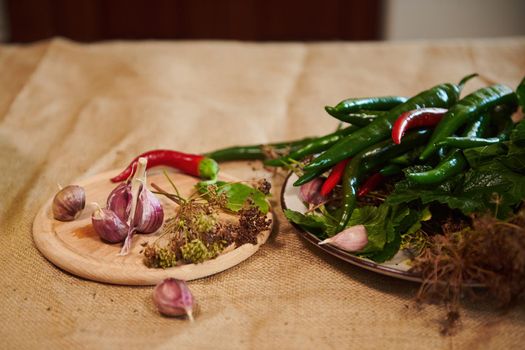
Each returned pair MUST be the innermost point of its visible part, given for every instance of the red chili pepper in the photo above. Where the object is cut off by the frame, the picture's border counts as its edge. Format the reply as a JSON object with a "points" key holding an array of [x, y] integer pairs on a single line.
{"points": [[414, 119], [191, 164], [370, 184], [334, 177]]}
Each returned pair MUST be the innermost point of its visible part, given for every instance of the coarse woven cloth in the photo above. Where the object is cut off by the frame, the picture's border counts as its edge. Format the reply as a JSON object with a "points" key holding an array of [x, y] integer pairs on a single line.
{"points": [[69, 111]]}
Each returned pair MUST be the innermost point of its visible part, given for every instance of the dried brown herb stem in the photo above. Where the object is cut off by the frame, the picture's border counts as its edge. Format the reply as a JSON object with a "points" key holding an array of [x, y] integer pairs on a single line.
{"points": [[490, 252], [175, 198]]}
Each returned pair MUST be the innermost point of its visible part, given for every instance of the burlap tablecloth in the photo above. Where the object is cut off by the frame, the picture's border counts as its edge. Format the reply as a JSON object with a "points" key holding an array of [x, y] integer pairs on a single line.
{"points": [[69, 111]]}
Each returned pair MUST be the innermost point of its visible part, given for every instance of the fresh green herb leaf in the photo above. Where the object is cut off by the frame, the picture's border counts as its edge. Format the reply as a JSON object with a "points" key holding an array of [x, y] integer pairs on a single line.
{"points": [[520, 91], [238, 194], [515, 159], [389, 250], [480, 155], [319, 225], [517, 136], [515, 162], [374, 220], [411, 222], [384, 224]]}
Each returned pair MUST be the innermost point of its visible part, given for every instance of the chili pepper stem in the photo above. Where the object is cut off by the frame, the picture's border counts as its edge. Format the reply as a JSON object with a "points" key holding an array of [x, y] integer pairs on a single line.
{"points": [[464, 80], [208, 169]]}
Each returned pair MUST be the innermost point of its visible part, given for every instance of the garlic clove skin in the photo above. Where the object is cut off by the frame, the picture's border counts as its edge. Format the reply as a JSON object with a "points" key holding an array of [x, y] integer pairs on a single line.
{"points": [[68, 203], [119, 200], [172, 297], [351, 239], [310, 192], [149, 213], [109, 226]]}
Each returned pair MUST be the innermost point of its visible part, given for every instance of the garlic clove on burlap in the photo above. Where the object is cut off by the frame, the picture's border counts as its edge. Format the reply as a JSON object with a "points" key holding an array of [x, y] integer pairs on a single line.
{"points": [[172, 297]]}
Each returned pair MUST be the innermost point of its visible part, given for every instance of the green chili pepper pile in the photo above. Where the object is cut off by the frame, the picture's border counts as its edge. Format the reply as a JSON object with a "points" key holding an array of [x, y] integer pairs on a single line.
{"points": [[468, 159]]}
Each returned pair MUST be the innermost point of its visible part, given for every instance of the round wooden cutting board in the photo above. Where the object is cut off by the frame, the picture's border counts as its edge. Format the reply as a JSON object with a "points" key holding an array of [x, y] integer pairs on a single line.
{"points": [[75, 247]]}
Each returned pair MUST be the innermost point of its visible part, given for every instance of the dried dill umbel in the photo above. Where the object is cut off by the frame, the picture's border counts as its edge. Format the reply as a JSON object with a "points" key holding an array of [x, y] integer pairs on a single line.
{"points": [[251, 222], [264, 186], [490, 253], [203, 228]]}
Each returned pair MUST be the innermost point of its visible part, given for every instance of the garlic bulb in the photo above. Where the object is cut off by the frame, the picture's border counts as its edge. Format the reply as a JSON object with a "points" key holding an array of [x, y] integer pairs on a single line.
{"points": [[149, 213], [351, 239], [145, 213], [109, 226], [310, 192], [172, 297], [68, 203]]}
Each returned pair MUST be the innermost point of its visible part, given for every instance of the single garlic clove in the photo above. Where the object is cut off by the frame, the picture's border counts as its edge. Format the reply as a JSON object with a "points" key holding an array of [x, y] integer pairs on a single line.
{"points": [[119, 200], [310, 192], [149, 214], [109, 226], [351, 239], [172, 297], [68, 203]]}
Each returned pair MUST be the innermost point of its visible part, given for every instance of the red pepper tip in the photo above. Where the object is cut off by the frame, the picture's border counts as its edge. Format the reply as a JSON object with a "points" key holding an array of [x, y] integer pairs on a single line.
{"points": [[325, 191]]}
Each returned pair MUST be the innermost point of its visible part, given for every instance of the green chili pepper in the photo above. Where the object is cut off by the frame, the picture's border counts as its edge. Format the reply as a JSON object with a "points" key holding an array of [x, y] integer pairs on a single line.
{"points": [[452, 165], [371, 103], [390, 169], [408, 158], [455, 162], [478, 127], [254, 151], [462, 142], [468, 109], [368, 160], [307, 177], [501, 119], [315, 146], [359, 118], [443, 95]]}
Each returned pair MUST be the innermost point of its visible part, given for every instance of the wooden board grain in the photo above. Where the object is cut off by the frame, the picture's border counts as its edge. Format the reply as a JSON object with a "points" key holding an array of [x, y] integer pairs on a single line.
{"points": [[75, 247]]}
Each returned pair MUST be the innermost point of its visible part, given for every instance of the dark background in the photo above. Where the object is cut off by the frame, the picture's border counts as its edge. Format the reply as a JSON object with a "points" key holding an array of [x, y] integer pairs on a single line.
{"points": [[258, 20]]}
